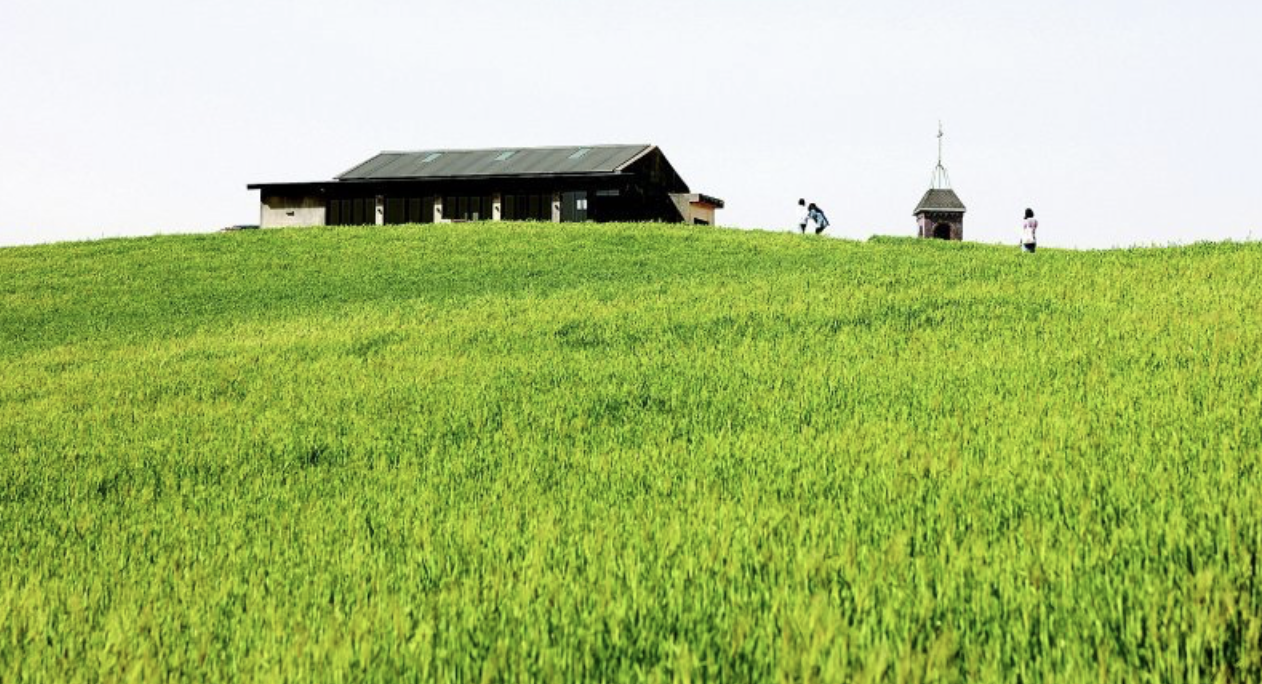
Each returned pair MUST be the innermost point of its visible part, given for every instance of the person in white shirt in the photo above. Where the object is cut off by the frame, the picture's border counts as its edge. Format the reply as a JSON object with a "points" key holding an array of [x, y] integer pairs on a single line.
{"points": [[804, 216], [1029, 237]]}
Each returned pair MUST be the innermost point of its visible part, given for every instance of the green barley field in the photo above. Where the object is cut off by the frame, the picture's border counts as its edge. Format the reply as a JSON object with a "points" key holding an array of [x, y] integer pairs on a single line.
{"points": [[633, 453]]}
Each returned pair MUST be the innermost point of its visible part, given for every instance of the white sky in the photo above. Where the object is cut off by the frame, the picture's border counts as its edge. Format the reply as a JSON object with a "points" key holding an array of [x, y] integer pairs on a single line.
{"points": [[1119, 121]]}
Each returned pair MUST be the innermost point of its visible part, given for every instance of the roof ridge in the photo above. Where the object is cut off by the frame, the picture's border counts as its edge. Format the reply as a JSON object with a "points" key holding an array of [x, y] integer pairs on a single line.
{"points": [[510, 147]]}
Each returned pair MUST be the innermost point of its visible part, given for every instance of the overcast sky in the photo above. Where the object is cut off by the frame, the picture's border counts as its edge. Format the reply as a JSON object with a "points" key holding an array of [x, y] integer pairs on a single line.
{"points": [[1120, 122]]}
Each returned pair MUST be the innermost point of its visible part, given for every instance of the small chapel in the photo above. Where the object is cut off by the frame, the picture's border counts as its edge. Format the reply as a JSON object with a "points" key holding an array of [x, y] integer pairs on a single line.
{"points": [[940, 214]]}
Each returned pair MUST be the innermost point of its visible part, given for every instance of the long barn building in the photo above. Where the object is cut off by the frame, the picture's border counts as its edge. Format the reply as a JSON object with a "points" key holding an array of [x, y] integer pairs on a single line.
{"points": [[597, 183]]}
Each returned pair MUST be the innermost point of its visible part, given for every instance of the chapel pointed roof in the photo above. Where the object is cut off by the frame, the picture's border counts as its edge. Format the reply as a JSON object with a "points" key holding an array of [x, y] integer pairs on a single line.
{"points": [[939, 199]]}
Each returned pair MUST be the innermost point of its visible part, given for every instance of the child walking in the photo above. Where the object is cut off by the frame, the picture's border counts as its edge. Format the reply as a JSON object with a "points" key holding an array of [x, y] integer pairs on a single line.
{"points": [[1029, 238]]}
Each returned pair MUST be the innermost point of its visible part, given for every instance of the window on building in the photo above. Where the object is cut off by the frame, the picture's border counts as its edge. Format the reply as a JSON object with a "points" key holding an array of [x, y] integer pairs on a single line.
{"points": [[467, 208], [401, 210], [420, 210], [526, 207], [574, 207], [357, 212], [396, 211]]}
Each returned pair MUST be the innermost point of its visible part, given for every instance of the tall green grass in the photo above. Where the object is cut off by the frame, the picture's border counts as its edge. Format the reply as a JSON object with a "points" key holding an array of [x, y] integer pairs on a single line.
{"points": [[627, 453]]}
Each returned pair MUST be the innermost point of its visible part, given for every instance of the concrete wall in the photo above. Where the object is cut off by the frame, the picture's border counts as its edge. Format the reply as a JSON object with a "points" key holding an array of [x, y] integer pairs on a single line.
{"points": [[690, 210], [280, 212], [703, 212]]}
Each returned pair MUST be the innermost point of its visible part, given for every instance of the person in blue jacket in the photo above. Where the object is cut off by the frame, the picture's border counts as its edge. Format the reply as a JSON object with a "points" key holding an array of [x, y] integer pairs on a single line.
{"points": [[817, 216]]}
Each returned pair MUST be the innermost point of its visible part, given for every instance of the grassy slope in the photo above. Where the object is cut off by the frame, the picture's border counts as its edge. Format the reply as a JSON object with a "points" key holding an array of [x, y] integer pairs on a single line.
{"points": [[627, 451]]}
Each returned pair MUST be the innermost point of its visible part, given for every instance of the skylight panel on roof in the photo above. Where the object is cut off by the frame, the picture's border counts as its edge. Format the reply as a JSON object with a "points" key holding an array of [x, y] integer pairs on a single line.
{"points": [[581, 153], [505, 156], [431, 157]]}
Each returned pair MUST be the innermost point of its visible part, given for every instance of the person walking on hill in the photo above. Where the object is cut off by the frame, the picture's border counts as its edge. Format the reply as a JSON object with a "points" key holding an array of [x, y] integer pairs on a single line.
{"points": [[804, 216], [817, 215], [1029, 238]]}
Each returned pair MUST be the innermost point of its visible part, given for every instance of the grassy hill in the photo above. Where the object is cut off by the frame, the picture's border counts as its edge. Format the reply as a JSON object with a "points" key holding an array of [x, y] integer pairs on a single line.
{"points": [[627, 453]]}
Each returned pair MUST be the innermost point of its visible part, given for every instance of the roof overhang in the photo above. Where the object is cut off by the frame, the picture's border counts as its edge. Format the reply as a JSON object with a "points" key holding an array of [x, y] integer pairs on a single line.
{"points": [[643, 153], [289, 185], [696, 198], [701, 198]]}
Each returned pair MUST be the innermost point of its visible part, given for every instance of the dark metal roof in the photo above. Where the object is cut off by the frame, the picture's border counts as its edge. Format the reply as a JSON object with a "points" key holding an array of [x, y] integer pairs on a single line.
{"points": [[310, 185], [939, 200], [498, 162]]}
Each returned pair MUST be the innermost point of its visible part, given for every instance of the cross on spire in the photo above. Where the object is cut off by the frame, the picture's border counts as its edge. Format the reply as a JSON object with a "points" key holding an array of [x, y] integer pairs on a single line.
{"points": [[941, 135], [941, 179]]}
